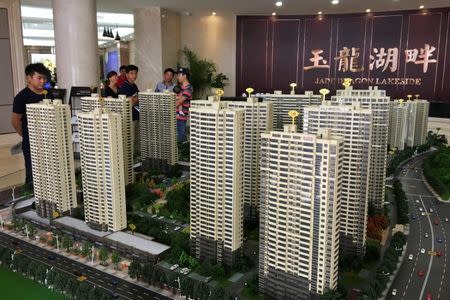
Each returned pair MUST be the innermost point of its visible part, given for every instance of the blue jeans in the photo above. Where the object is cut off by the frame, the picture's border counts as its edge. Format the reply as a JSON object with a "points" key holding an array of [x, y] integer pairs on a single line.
{"points": [[181, 131]]}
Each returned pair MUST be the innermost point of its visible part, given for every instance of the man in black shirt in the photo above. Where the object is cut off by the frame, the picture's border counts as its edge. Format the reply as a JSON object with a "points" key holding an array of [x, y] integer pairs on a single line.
{"points": [[130, 89], [36, 76]]}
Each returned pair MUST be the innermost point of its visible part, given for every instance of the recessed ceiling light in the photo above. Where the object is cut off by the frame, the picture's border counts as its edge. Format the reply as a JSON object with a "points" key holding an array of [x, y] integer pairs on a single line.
{"points": [[213, 13], [334, 2], [422, 7], [274, 14], [368, 10], [279, 3], [319, 13]]}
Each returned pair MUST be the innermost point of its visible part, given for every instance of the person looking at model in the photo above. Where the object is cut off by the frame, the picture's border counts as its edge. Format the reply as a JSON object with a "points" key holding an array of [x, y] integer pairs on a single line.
{"points": [[36, 77], [111, 89], [167, 83], [183, 102]]}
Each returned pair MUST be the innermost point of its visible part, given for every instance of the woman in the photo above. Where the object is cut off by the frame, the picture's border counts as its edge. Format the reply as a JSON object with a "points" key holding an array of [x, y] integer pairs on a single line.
{"points": [[111, 89]]}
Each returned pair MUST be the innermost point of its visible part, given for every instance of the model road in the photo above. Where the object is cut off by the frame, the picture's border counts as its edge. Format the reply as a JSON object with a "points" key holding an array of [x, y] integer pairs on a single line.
{"points": [[123, 288], [424, 233]]}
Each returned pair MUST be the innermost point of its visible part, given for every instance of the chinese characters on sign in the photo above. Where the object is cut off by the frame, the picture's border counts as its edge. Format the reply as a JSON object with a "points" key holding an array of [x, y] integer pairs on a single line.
{"points": [[381, 58]]}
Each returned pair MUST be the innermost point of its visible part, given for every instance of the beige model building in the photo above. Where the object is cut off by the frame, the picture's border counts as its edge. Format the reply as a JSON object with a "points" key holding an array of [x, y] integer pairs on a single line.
{"points": [[300, 213], [258, 118], [377, 101], [398, 121], [52, 157], [158, 131], [283, 103], [417, 125], [217, 161], [101, 147], [354, 125], [121, 106]]}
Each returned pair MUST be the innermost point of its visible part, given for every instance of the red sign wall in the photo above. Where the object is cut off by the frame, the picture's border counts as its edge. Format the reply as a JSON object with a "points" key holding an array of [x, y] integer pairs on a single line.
{"points": [[402, 52]]}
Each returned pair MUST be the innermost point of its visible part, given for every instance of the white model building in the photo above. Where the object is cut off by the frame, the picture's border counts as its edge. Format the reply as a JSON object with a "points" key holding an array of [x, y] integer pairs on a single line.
{"points": [[417, 122], [121, 106], [398, 121], [101, 146], [299, 213], [377, 101], [258, 118], [283, 103], [158, 131], [52, 157], [354, 125], [217, 162]]}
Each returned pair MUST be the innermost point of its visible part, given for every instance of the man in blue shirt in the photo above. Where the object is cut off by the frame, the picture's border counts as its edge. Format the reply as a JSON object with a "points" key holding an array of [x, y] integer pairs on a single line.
{"points": [[130, 89], [167, 83]]}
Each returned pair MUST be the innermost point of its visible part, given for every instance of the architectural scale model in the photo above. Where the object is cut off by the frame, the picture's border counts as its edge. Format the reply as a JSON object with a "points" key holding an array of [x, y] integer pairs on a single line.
{"points": [[398, 124], [417, 122], [52, 157], [354, 125], [258, 118], [299, 213], [283, 103], [378, 102], [121, 106], [217, 166], [158, 130], [101, 146]]}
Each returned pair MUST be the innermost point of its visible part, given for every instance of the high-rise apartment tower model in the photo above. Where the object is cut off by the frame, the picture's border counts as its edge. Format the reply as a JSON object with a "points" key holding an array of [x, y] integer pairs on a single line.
{"points": [[354, 125], [258, 118], [377, 101], [217, 162], [158, 131], [101, 147], [301, 178], [283, 103], [121, 106], [52, 157]]}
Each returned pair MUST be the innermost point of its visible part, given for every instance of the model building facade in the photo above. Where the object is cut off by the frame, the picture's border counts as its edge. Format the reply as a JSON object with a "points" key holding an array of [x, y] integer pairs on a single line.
{"points": [[283, 103], [301, 178], [258, 118], [354, 125], [217, 154], [101, 146], [417, 122], [121, 106], [398, 124], [377, 101], [158, 131], [52, 157]]}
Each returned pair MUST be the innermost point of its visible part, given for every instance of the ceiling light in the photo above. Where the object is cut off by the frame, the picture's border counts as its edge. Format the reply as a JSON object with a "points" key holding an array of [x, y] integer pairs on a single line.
{"points": [[279, 3], [319, 13], [422, 7], [368, 10], [334, 2], [274, 14], [213, 13]]}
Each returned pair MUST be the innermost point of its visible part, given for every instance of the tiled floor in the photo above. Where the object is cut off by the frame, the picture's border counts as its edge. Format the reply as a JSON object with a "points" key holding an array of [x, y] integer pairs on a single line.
{"points": [[12, 171]]}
